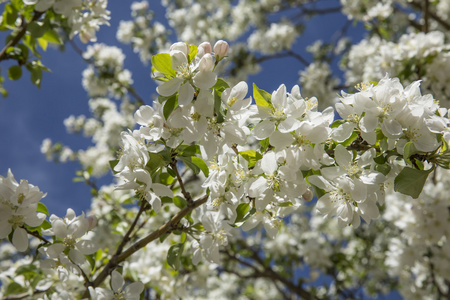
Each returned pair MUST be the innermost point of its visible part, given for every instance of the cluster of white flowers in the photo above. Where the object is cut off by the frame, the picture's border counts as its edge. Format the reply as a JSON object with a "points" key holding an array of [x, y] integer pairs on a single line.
{"points": [[70, 245], [422, 248], [278, 37], [144, 34], [105, 74], [84, 16], [19, 210], [372, 58], [367, 10], [271, 181], [317, 80]]}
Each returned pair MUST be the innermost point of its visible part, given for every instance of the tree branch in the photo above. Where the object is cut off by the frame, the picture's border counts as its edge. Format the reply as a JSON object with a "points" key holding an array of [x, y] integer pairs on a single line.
{"points": [[433, 15], [185, 193], [116, 260], [20, 34], [37, 235], [268, 272]]}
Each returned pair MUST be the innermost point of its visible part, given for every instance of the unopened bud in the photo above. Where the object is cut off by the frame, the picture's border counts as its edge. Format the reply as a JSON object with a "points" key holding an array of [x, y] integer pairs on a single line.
{"points": [[181, 46], [206, 64], [220, 49], [206, 46], [308, 195]]}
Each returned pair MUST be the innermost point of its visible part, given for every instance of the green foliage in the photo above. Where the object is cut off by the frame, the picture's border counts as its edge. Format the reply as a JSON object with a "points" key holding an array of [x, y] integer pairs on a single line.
{"points": [[174, 255], [161, 63], [251, 156], [170, 105], [15, 72], [262, 98], [411, 181]]}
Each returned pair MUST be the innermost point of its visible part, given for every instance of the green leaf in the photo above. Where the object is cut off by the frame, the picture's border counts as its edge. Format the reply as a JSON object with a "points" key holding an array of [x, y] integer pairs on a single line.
{"points": [[409, 150], [165, 178], [170, 105], [14, 288], [36, 76], [162, 63], [188, 162], [174, 254], [411, 181], [380, 159], [192, 52], [113, 164], [220, 85], [155, 162], [218, 107], [201, 164], [15, 72], [337, 123], [383, 168], [262, 98], [42, 208], [251, 156], [10, 15], [285, 204], [52, 36], [264, 144], [241, 211], [350, 140], [36, 29], [179, 202]]}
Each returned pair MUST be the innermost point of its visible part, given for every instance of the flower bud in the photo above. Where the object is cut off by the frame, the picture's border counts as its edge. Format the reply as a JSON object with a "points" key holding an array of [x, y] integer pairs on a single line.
{"points": [[308, 195], [206, 64], [220, 49], [180, 46], [206, 46]]}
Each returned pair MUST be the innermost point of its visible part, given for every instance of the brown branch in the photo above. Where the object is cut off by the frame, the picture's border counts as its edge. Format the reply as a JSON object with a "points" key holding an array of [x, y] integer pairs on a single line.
{"points": [[19, 36], [426, 15], [269, 273], [116, 260], [433, 15], [126, 238], [37, 235], [288, 53]]}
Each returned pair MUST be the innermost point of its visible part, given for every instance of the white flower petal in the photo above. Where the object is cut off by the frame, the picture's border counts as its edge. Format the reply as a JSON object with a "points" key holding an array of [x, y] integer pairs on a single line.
{"points": [[170, 87], [205, 80], [263, 130], [20, 239], [116, 281], [186, 94]]}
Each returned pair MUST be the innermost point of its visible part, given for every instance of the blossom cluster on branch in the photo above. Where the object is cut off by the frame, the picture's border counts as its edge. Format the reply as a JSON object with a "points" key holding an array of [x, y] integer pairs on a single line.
{"points": [[222, 192]]}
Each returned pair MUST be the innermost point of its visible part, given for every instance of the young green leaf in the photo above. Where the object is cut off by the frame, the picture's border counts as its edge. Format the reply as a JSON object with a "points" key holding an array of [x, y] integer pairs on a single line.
{"points": [[411, 181], [174, 254], [262, 98], [162, 63], [15, 72]]}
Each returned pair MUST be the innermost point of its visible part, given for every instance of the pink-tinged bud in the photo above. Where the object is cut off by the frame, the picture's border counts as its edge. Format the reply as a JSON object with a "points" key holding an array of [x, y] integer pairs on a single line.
{"points": [[220, 49], [181, 46], [308, 195], [92, 221], [206, 47], [206, 64]]}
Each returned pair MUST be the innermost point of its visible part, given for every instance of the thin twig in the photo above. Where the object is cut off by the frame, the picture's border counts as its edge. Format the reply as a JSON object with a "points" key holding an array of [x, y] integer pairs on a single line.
{"points": [[37, 235], [115, 261], [185, 193]]}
